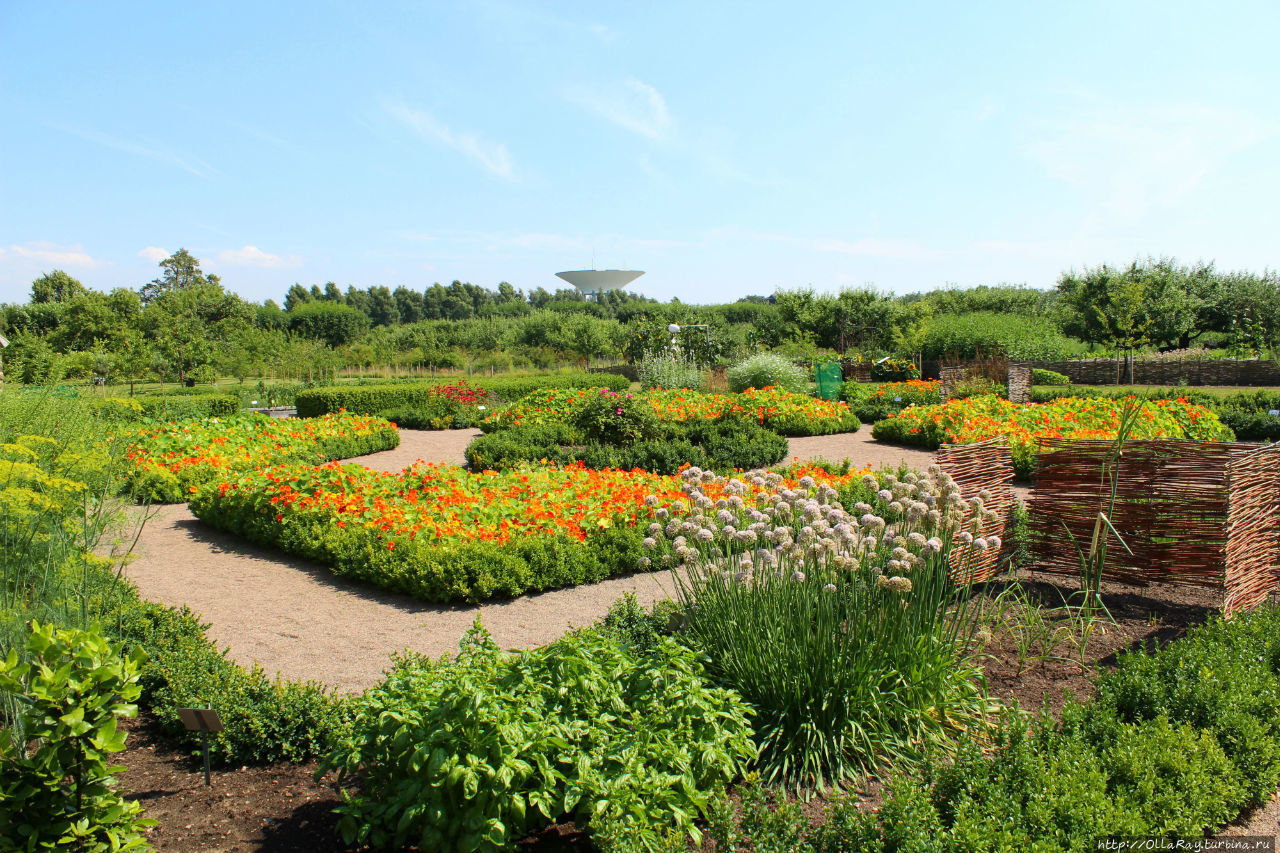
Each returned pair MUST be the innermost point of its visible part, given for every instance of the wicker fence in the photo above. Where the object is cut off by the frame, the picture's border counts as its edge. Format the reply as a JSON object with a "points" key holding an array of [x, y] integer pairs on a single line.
{"points": [[1194, 513], [985, 466]]}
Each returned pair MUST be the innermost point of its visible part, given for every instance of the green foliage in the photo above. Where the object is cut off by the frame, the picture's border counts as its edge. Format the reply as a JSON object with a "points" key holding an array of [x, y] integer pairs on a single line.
{"points": [[872, 402], [651, 339], [989, 335], [60, 795], [474, 753], [977, 386], [669, 373], [768, 369], [332, 322], [721, 445], [611, 417], [368, 399], [1133, 762], [177, 407], [1246, 413], [266, 719], [1040, 376]]}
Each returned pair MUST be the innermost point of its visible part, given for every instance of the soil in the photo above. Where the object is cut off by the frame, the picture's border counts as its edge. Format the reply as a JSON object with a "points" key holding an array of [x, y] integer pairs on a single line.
{"points": [[342, 634]]}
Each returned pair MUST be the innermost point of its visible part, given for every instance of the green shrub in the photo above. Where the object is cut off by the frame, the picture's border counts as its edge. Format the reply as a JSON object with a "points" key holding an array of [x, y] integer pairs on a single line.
{"points": [[182, 407], [977, 386], [367, 399], [266, 719], [610, 417], [873, 402], [474, 753], [722, 445], [988, 334], [669, 373], [768, 369], [56, 786], [1040, 376]]}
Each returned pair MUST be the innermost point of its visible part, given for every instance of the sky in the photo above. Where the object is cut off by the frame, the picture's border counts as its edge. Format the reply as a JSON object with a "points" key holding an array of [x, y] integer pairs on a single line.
{"points": [[726, 149]]}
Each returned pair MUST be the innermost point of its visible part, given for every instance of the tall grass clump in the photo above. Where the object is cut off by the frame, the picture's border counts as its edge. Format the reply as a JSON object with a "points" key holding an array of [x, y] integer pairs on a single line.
{"points": [[669, 373], [765, 369], [841, 626]]}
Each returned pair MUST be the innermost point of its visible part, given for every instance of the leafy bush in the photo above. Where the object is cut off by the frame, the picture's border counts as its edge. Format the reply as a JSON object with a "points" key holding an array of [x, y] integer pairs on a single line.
{"points": [[474, 753], [367, 399], [455, 406], [977, 386], [768, 369], [988, 334], [669, 373], [61, 795], [876, 402], [266, 719], [610, 417], [721, 445], [1040, 376]]}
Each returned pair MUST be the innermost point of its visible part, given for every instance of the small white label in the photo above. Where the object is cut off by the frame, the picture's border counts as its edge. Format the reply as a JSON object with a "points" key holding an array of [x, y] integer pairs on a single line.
{"points": [[897, 399], [1275, 413]]}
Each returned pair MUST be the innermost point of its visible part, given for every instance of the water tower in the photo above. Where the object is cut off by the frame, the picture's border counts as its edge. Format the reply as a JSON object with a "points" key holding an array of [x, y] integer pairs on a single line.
{"points": [[597, 282]]}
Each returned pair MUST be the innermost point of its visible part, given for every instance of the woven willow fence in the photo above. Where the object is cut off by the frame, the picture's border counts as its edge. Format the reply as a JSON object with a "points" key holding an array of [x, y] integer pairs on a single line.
{"points": [[985, 466], [1195, 513]]}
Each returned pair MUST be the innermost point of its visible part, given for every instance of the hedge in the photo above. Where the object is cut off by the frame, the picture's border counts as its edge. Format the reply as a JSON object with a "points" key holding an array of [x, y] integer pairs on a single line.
{"points": [[717, 445], [369, 399]]}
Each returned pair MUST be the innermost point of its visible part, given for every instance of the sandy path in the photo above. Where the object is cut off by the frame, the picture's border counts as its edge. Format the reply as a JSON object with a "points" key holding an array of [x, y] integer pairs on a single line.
{"points": [[294, 617]]}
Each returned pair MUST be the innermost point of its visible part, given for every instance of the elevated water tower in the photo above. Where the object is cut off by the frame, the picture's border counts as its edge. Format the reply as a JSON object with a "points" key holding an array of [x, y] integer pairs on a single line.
{"points": [[597, 282]]}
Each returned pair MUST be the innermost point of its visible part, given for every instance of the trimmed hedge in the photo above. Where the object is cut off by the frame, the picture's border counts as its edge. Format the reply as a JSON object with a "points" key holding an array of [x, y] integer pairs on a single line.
{"points": [[369, 399], [165, 407], [717, 445], [428, 569]]}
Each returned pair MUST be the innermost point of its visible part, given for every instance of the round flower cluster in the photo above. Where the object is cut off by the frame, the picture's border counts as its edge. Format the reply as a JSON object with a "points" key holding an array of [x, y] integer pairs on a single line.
{"points": [[755, 528]]}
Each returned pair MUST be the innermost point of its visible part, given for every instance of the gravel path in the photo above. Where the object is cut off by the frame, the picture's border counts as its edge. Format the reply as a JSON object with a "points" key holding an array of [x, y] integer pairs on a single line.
{"points": [[294, 617]]}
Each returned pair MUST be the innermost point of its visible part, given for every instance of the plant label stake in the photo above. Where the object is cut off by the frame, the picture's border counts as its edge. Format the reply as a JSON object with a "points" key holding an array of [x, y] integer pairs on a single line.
{"points": [[204, 721]]}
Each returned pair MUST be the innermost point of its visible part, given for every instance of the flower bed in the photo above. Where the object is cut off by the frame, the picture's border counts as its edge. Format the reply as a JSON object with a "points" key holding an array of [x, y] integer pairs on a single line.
{"points": [[444, 534], [774, 408], [168, 462], [874, 402], [980, 418]]}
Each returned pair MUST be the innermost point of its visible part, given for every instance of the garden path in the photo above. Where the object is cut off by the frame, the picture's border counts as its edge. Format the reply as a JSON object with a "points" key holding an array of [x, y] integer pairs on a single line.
{"points": [[295, 617]]}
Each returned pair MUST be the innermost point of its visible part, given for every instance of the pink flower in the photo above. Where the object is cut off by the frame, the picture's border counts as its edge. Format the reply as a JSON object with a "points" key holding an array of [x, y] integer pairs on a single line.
{"points": [[619, 411]]}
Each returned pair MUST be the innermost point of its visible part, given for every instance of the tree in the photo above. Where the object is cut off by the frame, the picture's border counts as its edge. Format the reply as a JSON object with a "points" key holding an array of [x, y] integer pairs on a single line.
{"points": [[383, 310], [181, 271], [332, 293], [296, 295], [56, 286], [409, 304], [332, 322]]}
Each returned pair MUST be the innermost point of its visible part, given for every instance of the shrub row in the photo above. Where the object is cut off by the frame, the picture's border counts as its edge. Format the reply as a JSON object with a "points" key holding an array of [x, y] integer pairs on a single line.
{"points": [[433, 570], [1176, 744], [475, 753], [717, 445], [1248, 413], [368, 399], [166, 407]]}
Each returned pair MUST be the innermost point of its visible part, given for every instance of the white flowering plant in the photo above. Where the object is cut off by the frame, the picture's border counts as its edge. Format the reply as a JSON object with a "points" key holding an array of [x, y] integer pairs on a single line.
{"points": [[839, 620]]}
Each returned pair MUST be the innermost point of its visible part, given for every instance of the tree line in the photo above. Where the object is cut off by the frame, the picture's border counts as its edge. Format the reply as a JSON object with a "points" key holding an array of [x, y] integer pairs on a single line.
{"points": [[186, 326]]}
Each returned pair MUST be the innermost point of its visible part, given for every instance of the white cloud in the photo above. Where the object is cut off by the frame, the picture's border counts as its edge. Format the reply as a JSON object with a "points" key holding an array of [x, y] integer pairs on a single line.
{"points": [[60, 256], [635, 106], [492, 156], [1133, 159], [252, 256], [153, 253]]}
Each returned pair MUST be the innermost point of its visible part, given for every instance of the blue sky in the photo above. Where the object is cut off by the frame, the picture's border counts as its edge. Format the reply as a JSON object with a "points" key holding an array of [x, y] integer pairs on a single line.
{"points": [[725, 148]]}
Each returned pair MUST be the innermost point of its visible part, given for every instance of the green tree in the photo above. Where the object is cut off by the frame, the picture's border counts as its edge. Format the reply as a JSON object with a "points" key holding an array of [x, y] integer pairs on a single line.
{"points": [[56, 286], [180, 271]]}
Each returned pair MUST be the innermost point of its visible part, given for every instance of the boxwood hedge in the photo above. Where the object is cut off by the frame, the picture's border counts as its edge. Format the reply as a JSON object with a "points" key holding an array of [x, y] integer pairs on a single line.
{"points": [[371, 399]]}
